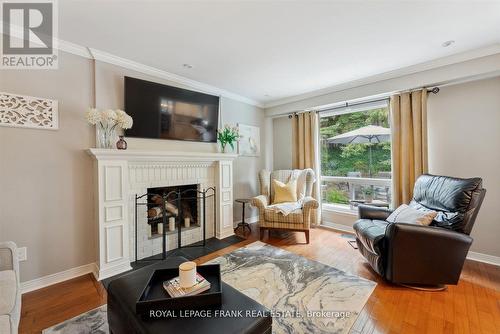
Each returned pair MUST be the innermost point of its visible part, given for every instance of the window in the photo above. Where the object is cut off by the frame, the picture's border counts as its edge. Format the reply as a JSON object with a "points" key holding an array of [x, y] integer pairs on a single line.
{"points": [[355, 156]]}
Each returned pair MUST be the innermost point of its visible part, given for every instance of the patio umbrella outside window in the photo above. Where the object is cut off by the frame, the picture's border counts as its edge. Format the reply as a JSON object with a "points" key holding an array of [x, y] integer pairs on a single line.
{"points": [[370, 134]]}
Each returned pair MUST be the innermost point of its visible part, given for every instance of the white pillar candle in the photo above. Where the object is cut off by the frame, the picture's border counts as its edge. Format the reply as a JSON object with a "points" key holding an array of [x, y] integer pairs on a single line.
{"points": [[149, 231], [171, 223], [160, 228], [187, 222], [187, 274]]}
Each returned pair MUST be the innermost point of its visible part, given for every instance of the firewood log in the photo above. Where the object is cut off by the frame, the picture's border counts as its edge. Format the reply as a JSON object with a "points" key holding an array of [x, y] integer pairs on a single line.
{"points": [[154, 212], [171, 208]]}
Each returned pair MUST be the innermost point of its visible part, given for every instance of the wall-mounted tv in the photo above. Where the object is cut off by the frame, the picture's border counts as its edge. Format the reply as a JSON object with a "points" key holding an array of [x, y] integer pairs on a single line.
{"points": [[166, 112]]}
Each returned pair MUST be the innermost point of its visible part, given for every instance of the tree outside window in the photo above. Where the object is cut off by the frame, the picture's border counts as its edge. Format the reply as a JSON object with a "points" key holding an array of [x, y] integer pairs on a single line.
{"points": [[353, 159]]}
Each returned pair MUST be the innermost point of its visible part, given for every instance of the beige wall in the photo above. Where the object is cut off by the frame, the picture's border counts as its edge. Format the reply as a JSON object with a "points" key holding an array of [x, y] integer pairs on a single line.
{"points": [[46, 200], [45, 175], [246, 169], [464, 141], [282, 143]]}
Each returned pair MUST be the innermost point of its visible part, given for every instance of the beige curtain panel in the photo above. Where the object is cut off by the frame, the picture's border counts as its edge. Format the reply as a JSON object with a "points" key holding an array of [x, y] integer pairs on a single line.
{"points": [[305, 150], [408, 113]]}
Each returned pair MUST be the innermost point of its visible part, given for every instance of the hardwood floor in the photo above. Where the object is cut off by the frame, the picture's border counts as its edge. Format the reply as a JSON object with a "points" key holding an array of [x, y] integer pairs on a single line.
{"points": [[472, 306]]}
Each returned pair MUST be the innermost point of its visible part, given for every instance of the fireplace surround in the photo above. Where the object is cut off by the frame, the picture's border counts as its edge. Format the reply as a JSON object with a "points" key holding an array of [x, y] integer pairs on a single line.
{"points": [[121, 175]]}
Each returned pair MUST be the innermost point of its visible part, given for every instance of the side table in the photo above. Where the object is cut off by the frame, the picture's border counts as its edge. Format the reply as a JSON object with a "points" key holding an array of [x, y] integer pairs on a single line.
{"points": [[243, 224]]}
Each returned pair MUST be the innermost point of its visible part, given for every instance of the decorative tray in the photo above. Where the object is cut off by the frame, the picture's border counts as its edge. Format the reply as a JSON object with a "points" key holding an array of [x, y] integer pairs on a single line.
{"points": [[154, 296]]}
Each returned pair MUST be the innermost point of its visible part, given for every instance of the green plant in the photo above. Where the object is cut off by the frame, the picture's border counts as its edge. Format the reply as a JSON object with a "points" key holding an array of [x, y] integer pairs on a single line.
{"points": [[368, 191], [227, 135], [336, 196]]}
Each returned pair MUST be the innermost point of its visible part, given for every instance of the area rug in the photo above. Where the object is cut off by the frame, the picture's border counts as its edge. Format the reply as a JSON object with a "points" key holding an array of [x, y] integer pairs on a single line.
{"points": [[304, 296], [91, 322]]}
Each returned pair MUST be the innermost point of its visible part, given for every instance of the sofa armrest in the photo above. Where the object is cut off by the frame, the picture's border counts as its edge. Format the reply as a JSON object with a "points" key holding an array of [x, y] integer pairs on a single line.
{"points": [[373, 212], [418, 254], [260, 202], [8, 256]]}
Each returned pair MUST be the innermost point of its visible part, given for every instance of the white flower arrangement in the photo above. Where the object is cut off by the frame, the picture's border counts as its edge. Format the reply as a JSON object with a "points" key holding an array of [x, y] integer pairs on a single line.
{"points": [[93, 116], [106, 122], [109, 118], [123, 120]]}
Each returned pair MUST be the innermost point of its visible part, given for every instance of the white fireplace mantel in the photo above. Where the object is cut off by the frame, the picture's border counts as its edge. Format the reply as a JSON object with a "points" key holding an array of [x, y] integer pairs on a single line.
{"points": [[142, 155], [121, 174]]}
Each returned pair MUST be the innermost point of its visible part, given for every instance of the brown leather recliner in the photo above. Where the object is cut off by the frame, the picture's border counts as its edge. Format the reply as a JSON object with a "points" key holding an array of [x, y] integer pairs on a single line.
{"points": [[423, 255]]}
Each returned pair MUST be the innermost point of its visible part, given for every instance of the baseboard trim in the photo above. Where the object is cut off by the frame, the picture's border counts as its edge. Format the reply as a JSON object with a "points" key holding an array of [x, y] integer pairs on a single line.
{"points": [[485, 258], [112, 270], [42, 282], [224, 235]]}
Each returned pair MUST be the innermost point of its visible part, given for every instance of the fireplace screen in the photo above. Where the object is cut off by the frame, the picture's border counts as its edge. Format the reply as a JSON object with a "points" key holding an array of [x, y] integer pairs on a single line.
{"points": [[174, 215]]}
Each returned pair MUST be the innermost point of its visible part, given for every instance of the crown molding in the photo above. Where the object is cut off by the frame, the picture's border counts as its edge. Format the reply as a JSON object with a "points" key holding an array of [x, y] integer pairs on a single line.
{"points": [[73, 48], [103, 56], [99, 55], [425, 66]]}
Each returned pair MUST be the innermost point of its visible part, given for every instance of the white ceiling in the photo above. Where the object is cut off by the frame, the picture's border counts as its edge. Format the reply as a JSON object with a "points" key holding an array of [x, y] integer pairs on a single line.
{"points": [[270, 50]]}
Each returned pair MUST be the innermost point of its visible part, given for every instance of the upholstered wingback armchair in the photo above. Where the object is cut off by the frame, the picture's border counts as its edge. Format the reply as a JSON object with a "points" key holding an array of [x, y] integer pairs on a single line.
{"points": [[297, 220], [411, 254]]}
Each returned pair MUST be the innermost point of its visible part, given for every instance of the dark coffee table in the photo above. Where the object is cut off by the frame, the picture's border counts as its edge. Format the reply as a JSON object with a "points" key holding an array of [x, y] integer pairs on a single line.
{"points": [[124, 291]]}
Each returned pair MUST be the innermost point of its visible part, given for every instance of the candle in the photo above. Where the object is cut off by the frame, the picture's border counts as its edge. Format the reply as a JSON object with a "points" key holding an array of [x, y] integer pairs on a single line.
{"points": [[187, 274], [187, 221], [160, 228], [171, 223], [149, 231]]}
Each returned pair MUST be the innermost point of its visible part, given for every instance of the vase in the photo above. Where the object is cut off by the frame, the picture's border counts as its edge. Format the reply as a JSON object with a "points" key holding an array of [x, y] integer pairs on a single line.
{"points": [[226, 148], [105, 136], [121, 144]]}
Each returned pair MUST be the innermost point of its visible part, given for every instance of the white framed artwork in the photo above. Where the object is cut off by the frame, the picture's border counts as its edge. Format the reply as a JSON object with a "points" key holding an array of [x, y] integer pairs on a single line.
{"points": [[249, 143], [28, 112]]}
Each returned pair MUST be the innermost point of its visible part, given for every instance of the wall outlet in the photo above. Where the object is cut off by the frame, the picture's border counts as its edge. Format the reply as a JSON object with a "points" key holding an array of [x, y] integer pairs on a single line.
{"points": [[22, 253]]}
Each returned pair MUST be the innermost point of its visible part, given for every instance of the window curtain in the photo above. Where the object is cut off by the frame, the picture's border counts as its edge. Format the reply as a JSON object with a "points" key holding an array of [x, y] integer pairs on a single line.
{"points": [[408, 114], [305, 150]]}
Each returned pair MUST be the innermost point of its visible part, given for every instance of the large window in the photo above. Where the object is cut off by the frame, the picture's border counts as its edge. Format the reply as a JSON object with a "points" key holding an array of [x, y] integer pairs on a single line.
{"points": [[356, 156]]}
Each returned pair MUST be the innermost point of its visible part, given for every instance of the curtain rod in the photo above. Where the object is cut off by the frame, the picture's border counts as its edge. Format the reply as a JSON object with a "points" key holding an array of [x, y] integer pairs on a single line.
{"points": [[346, 104]]}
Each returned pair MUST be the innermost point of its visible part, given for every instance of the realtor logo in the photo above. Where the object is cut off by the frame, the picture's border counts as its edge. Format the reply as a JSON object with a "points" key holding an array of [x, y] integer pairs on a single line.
{"points": [[28, 35]]}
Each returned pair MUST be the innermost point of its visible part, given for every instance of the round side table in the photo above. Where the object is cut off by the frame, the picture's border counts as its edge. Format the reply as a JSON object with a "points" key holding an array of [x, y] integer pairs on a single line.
{"points": [[243, 224]]}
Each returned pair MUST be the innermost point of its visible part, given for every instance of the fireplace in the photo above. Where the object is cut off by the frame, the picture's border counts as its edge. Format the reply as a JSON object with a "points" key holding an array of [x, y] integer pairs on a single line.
{"points": [[122, 175], [181, 209], [171, 217]]}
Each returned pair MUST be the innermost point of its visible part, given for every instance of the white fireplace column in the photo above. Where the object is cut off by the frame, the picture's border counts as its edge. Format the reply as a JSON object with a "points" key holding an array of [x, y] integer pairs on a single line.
{"points": [[224, 195], [115, 177]]}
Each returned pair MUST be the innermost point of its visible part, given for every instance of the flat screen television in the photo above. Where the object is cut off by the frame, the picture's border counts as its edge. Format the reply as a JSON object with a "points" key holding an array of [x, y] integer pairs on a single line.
{"points": [[166, 112]]}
